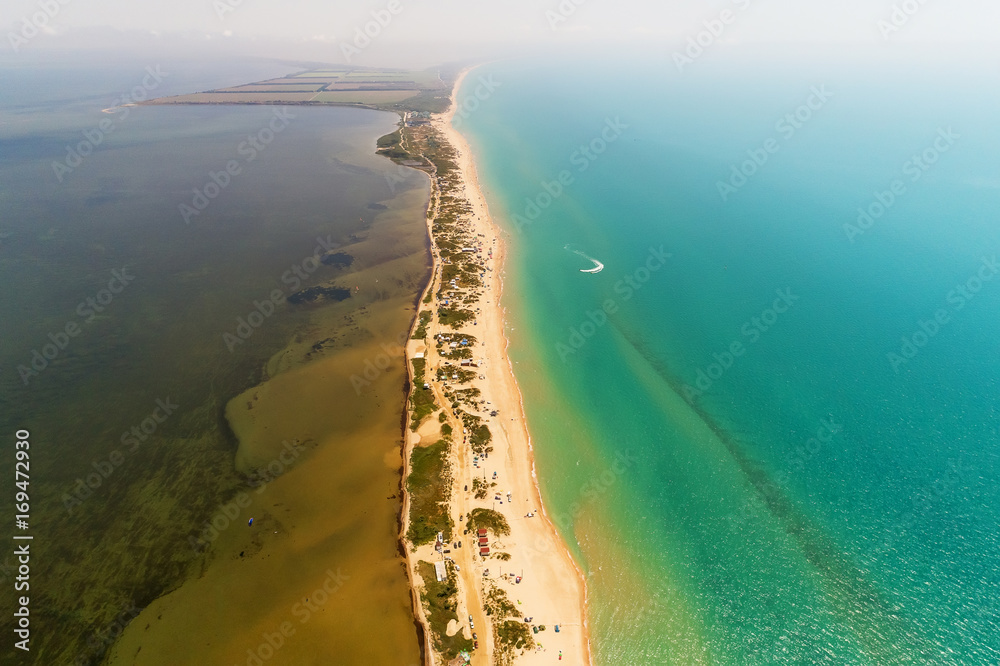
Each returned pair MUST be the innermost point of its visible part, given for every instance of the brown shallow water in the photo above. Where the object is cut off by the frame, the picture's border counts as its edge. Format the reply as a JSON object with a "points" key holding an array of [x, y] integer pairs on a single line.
{"points": [[316, 579], [129, 554]]}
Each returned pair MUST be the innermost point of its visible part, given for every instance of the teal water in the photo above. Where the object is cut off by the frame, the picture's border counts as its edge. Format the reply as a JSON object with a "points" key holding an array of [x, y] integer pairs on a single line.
{"points": [[828, 493]]}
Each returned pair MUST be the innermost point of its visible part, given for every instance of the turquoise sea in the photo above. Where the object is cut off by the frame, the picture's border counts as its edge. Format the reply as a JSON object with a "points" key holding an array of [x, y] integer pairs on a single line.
{"points": [[768, 428]]}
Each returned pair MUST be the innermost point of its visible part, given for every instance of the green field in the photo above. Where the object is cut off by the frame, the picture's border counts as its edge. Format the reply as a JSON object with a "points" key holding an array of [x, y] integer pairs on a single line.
{"points": [[379, 76], [239, 98], [274, 88], [392, 90], [319, 74], [366, 96]]}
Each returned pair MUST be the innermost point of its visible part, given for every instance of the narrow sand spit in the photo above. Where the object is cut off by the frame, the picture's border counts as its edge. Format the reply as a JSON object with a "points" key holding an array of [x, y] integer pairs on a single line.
{"points": [[552, 587]]}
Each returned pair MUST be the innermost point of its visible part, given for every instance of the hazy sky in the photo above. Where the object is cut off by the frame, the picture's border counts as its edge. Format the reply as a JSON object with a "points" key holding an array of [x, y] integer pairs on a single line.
{"points": [[428, 30]]}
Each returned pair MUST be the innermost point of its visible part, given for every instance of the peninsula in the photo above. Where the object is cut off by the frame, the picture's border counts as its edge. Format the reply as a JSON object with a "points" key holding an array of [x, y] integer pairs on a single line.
{"points": [[496, 584], [492, 581]]}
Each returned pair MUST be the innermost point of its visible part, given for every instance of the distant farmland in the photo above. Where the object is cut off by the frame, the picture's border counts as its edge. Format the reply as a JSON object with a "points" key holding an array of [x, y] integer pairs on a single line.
{"points": [[366, 96], [216, 97], [272, 88], [385, 89]]}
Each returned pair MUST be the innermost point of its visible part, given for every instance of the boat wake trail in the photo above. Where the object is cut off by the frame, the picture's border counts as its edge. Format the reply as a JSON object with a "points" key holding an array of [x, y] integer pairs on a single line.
{"points": [[598, 266]]}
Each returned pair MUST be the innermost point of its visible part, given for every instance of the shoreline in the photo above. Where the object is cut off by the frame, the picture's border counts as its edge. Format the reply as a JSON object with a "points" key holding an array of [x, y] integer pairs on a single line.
{"points": [[552, 587]]}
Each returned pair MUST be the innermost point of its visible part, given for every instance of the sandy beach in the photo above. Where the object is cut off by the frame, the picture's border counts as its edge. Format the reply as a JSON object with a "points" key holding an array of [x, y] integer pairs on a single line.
{"points": [[540, 576]]}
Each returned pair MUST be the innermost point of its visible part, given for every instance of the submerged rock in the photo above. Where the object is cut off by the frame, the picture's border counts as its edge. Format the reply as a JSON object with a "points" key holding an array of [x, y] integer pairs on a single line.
{"points": [[337, 259], [314, 294]]}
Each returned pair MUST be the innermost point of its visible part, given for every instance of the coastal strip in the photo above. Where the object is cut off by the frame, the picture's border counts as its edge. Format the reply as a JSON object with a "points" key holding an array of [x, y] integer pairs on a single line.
{"points": [[493, 583]]}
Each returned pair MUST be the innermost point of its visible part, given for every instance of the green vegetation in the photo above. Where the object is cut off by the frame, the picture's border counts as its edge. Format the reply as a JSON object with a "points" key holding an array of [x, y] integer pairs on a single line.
{"points": [[471, 339], [450, 272], [428, 485], [469, 396], [455, 374], [503, 557], [390, 140], [395, 152], [365, 97], [492, 521], [470, 281], [441, 605], [430, 102], [498, 604], [480, 436], [456, 338], [421, 399], [480, 439], [425, 319], [509, 636], [458, 352], [479, 487], [455, 317]]}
